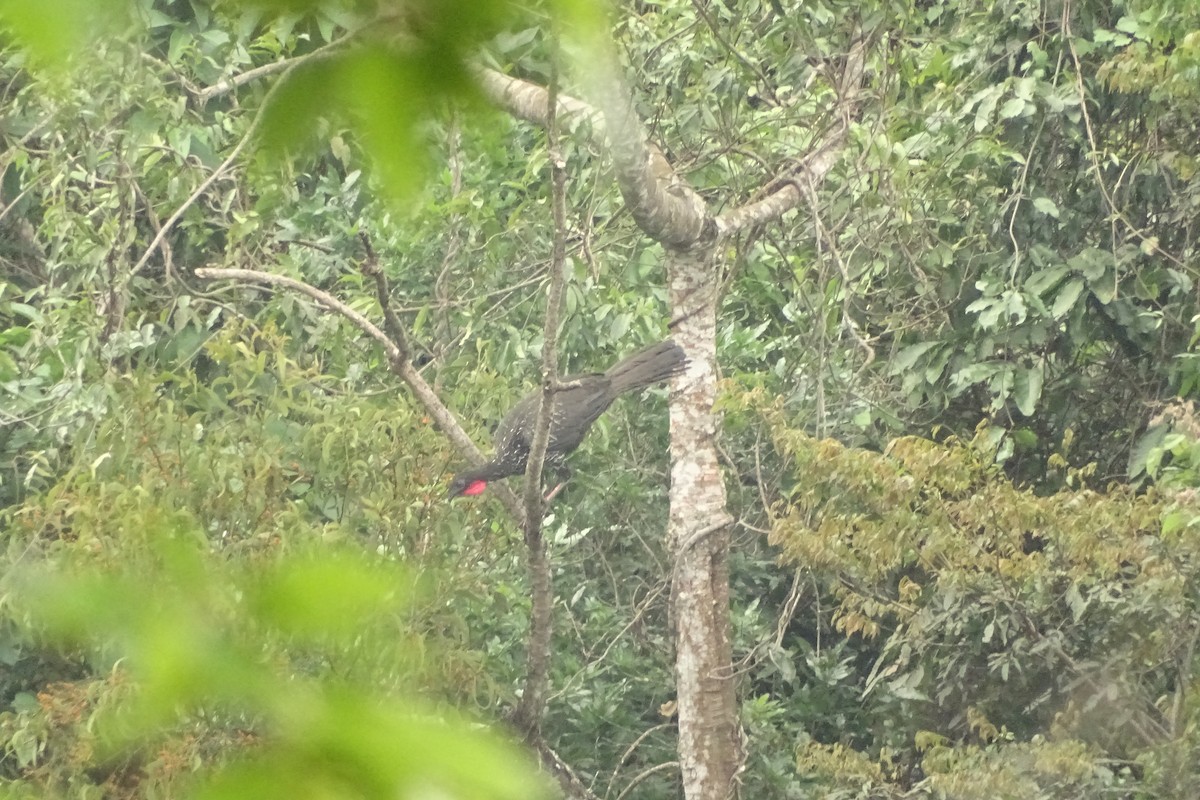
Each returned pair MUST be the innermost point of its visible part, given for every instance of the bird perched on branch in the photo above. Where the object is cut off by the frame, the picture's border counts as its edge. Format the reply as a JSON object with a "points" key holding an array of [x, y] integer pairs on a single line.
{"points": [[572, 412]]}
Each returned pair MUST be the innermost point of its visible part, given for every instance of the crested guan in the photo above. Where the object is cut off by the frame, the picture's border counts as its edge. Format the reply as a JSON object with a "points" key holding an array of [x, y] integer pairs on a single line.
{"points": [[572, 412]]}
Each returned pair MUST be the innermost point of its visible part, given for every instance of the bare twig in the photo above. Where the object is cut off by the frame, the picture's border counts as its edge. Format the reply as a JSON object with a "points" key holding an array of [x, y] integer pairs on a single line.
{"points": [[1094, 150], [638, 614], [221, 169], [700, 536], [561, 771], [787, 192], [330, 302], [453, 237], [529, 711], [156, 224], [715, 30], [249, 76], [399, 365], [629, 752], [395, 329], [646, 773]]}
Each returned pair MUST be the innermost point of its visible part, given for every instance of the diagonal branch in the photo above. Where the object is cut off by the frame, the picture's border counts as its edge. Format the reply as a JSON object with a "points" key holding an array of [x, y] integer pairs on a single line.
{"points": [[221, 169], [397, 360], [791, 188], [531, 102], [370, 267], [568, 780], [235, 82], [663, 204]]}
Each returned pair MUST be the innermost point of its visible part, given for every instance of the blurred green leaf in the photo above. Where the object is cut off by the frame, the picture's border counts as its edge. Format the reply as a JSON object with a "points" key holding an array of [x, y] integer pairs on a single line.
{"points": [[53, 30]]}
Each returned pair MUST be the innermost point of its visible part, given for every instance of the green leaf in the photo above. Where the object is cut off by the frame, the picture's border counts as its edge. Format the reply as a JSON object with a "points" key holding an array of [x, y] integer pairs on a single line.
{"points": [[1129, 24], [1013, 107], [8, 367], [1076, 601], [24, 746], [1046, 206], [1176, 521], [987, 311], [1025, 439], [1067, 297], [1140, 456], [1092, 263], [1042, 281], [1027, 389], [907, 357], [1101, 36], [983, 114], [974, 373], [27, 311]]}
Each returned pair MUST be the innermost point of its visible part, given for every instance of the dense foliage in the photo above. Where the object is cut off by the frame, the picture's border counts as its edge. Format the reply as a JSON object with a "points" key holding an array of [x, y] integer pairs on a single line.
{"points": [[958, 421]]}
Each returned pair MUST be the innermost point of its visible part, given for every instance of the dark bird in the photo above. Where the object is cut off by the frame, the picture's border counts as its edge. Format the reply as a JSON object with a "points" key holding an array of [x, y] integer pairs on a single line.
{"points": [[572, 412]]}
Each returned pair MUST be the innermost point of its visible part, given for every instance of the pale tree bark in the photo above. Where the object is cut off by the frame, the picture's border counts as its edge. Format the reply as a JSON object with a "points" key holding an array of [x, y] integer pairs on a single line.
{"points": [[671, 212], [710, 752]]}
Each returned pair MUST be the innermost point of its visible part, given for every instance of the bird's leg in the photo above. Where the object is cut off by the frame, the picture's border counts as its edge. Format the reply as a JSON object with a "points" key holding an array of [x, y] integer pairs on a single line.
{"points": [[563, 474]]}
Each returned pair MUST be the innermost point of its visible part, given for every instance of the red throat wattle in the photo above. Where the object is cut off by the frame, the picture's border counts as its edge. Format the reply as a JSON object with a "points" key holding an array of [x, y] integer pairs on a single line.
{"points": [[474, 488]]}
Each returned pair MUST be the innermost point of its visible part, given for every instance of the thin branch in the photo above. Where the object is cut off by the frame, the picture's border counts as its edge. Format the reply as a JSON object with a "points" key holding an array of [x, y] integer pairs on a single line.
{"points": [[641, 776], [249, 76], [1094, 151], [790, 189], [721, 524], [454, 234], [209, 181], [826, 240], [639, 613], [165, 246], [395, 329], [562, 772], [398, 364], [702, 12], [529, 711], [629, 752], [327, 300]]}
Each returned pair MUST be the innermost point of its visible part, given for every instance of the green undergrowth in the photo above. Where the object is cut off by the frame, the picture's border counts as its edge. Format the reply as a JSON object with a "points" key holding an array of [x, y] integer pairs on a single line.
{"points": [[248, 584], [994, 640]]}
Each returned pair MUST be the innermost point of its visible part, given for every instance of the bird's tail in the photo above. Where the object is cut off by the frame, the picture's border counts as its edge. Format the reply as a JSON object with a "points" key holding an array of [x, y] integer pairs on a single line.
{"points": [[654, 364]]}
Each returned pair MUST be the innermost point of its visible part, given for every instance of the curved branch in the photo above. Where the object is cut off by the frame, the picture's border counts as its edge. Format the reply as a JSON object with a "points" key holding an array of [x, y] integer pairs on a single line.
{"points": [[664, 205], [646, 773], [211, 179], [249, 76], [397, 361], [791, 188], [562, 772], [531, 102]]}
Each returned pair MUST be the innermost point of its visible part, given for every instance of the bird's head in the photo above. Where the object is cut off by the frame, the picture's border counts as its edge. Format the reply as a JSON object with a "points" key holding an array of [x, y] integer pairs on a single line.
{"points": [[466, 484]]}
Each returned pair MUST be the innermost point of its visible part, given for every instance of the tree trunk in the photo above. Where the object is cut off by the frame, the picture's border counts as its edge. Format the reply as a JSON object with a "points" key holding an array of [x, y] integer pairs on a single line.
{"points": [[709, 742], [669, 210]]}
